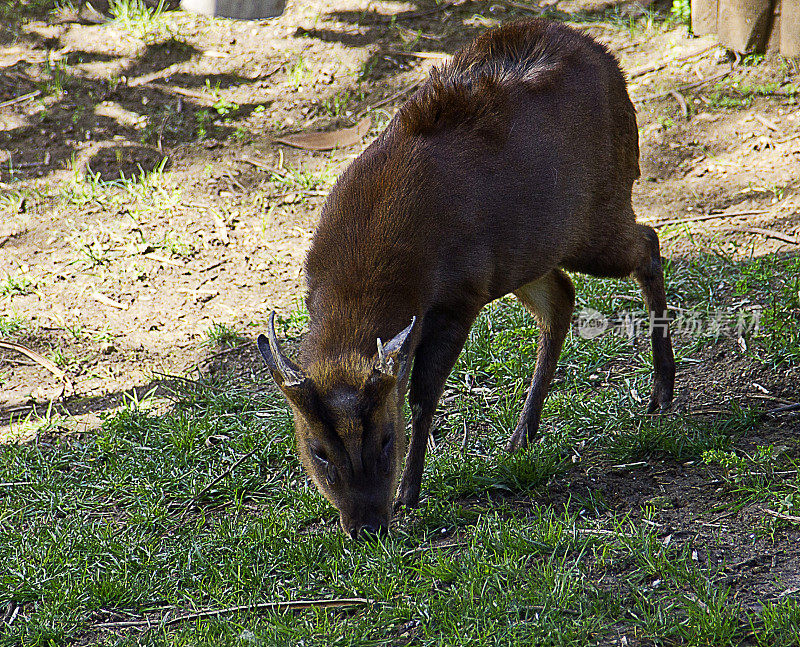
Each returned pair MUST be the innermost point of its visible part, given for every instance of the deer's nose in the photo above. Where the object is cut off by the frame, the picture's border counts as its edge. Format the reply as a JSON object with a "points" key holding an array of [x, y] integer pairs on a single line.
{"points": [[366, 530]]}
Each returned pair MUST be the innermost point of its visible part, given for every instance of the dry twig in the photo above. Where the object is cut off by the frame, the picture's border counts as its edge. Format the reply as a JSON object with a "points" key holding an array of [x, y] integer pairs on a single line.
{"points": [[600, 532], [102, 298], [424, 549], [767, 233], [682, 102], [221, 476], [691, 596], [688, 86], [215, 613], [169, 376], [627, 466], [190, 94], [783, 140], [20, 99], [42, 361], [226, 351], [12, 610], [381, 19], [795, 406], [780, 515], [259, 164], [769, 124], [162, 259], [437, 56], [154, 76], [392, 97], [658, 65], [749, 561], [524, 7], [707, 216]]}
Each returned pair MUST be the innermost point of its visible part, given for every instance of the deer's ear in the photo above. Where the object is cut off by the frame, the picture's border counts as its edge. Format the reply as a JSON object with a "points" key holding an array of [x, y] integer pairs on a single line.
{"points": [[391, 360]]}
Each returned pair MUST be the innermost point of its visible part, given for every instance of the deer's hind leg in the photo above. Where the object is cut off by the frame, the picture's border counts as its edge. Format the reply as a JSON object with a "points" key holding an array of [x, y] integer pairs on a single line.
{"points": [[635, 251], [649, 274], [550, 299]]}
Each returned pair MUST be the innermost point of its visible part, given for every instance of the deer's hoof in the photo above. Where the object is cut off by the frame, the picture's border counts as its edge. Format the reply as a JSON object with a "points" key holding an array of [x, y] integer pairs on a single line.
{"points": [[518, 440], [407, 498], [660, 400]]}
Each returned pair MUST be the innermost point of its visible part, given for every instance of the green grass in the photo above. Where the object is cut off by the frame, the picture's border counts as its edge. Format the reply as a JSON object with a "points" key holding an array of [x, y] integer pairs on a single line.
{"points": [[16, 11], [682, 11], [144, 193], [12, 285], [60, 78], [586, 408], [737, 93], [141, 196], [713, 297], [298, 70], [220, 334], [773, 282], [301, 179], [131, 522], [648, 23], [14, 203], [136, 17], [767, 476], [340, 103], [103, 528], [223, 107], [10, 324]]}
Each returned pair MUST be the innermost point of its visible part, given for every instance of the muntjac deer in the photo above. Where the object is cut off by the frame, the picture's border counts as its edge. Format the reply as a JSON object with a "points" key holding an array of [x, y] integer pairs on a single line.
{"points": [[512, 163]]}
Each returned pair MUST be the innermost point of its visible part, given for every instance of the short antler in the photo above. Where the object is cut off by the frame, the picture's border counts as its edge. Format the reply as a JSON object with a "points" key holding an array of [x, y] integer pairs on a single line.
{"points": [[275, 359]]}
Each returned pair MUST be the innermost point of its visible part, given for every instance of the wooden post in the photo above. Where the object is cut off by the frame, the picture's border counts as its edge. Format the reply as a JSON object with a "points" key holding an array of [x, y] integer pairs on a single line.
{"points": [[239, 9], [774, 38], [790, 27], [704, 17], [743, 25]]}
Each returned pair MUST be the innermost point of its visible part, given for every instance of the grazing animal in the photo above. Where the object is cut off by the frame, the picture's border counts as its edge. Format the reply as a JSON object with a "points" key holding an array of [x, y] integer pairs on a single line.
{"points": [[512, 163]]}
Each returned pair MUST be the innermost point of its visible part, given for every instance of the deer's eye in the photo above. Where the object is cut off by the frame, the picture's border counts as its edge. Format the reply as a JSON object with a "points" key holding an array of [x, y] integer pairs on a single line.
{"points": [[387, 448], [387, 444], [320, 456], [325, 464]]}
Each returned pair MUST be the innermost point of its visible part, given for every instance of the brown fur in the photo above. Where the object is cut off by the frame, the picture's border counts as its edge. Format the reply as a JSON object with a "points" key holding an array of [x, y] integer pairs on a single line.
{"points": [[474, 88], [513, 161]]}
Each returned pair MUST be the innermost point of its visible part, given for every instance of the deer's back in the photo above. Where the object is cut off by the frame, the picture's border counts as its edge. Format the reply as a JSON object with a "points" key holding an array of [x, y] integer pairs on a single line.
{"points": [[520, 151]]}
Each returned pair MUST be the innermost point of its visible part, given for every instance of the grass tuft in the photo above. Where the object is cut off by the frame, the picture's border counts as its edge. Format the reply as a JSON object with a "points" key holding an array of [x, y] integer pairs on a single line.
{"points": [[16, 285], [137, 17], [220, 334]]}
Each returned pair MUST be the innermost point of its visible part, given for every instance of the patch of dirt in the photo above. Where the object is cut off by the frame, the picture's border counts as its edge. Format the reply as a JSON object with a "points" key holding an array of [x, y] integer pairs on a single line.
{"points": [[220, 238]]}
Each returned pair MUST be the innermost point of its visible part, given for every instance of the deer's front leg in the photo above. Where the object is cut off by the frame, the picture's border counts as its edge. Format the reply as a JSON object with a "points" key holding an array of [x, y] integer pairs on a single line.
{"points": [[444, 332]]}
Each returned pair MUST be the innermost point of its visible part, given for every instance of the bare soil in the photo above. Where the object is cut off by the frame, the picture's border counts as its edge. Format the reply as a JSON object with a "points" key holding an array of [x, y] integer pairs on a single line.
{"points": [[126, 282]]}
